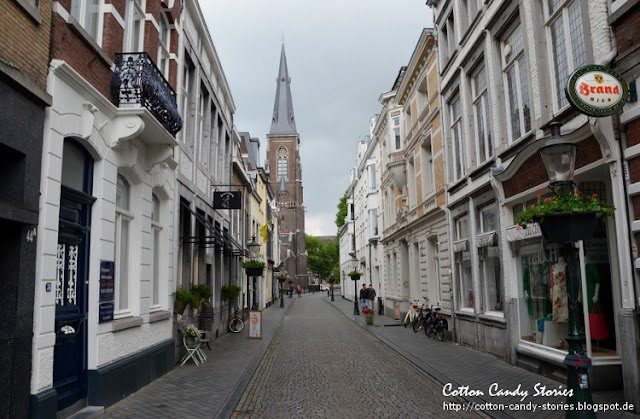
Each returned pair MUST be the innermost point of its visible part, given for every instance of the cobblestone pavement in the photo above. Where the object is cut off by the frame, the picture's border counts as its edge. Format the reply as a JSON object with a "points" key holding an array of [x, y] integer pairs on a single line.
{"points": [[321, 364]]}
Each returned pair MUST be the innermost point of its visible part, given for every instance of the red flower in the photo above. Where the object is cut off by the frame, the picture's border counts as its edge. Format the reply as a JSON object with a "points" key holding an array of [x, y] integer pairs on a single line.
{"points": [[578, 192], [595, 195], [539, 195]]}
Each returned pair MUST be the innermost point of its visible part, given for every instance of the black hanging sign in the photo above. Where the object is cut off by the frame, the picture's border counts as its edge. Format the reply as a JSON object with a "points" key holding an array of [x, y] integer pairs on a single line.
{"points": [[227, 200], [107, 272]]}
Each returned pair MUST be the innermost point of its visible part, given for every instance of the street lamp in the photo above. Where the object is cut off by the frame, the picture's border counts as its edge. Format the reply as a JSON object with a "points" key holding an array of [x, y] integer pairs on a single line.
{"points": [[254, 248], [559, 158]]}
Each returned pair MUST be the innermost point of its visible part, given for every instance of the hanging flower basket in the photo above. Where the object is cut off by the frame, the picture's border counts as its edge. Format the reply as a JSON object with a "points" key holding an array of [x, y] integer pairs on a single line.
{"points": [[254, 271], [179, 307], [355, 275], [568, 226], [253, 267]]}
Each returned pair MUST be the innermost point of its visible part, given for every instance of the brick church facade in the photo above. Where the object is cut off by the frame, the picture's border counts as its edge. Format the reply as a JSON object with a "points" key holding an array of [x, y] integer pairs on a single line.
{"points": [[285, 176]]}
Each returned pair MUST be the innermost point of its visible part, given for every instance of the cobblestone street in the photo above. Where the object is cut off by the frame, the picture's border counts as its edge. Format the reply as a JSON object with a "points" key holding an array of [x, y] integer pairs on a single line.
{"points": [[321, 364]]}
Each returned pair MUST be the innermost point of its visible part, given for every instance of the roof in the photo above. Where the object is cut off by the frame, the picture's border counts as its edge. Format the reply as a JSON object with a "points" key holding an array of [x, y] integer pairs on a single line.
{"points": [[283, 121]]}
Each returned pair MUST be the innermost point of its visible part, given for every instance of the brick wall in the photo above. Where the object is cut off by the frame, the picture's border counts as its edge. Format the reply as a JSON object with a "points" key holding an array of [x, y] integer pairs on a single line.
{"points": [[24, 43]]}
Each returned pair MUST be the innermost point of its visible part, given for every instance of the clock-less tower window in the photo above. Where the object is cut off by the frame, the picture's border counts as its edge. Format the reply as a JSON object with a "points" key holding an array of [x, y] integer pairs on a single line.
{"points": [[282, 163]]}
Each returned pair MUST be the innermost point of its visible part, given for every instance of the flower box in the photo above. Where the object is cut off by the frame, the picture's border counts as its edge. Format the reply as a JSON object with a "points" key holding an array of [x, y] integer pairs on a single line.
{"points": [[254, 271], [568, 226]]}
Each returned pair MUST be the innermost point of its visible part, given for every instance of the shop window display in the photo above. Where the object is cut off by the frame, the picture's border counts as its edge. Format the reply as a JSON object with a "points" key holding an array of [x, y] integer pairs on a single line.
{"points": [[543, 307]]}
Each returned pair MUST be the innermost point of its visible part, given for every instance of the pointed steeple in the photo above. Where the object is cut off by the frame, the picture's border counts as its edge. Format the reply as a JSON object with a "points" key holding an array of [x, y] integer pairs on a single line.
{"points": [[283, 121]]}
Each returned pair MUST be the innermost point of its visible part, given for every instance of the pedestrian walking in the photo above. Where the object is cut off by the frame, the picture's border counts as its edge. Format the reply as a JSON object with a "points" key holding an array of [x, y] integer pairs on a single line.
{"points": [[299, 291], [290, 291], [371, 295], [363, 296]]}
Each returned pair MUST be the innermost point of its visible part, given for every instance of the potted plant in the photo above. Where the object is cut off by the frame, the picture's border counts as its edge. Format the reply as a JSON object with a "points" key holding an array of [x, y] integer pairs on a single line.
{"points": [[566, 217], [253, 267], [281, 278], [230, 293], [200, 292], [355, 275], [183, 297], [368, 315]]}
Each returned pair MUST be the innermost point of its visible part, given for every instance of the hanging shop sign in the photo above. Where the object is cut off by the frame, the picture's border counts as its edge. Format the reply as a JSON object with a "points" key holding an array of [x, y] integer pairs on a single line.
{"points": [[596, 90], [227, 200]]}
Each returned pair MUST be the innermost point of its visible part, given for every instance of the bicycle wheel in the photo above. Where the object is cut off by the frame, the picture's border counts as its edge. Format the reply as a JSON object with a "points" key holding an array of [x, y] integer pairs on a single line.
{"points": [[440, 334], [236, 325], [428, 330], [406, 321], [417, 324]]}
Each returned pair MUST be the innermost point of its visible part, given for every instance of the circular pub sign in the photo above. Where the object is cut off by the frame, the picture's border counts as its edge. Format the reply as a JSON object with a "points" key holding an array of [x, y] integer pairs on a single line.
{"points": [[596, 90]]}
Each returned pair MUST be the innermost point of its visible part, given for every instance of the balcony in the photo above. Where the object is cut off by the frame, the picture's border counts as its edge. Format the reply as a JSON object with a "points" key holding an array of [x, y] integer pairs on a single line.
{"points": [[137, 81]]}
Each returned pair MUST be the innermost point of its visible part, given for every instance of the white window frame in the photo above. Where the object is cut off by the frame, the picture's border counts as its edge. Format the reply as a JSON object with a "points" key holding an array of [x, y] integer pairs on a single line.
{"points": [[396, 134], [514, 60], [486, 275], [164, 45], [426, 169], [156, 248], [134, 13], [573, 62], [457, 139], [462, 233], [122, 246], [79, 13], [373, 182], [374, 231], [481, 114]]}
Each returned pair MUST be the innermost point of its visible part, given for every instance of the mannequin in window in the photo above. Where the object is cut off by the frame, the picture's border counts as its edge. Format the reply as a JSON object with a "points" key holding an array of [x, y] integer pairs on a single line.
{"points": [[558, 291], [593, 285]]}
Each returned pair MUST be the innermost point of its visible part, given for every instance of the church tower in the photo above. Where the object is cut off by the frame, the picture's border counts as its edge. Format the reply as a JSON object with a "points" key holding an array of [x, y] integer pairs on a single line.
{"points": [[285, 177]]}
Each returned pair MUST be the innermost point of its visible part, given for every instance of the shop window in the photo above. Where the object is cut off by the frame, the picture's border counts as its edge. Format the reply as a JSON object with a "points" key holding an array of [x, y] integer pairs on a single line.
{"points": [[489, 260], [542, 294], [463, 262]]}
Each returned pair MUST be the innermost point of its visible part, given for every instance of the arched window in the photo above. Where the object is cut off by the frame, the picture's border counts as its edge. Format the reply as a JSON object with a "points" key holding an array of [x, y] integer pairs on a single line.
{"points": [[122, 239], [282, 163]]}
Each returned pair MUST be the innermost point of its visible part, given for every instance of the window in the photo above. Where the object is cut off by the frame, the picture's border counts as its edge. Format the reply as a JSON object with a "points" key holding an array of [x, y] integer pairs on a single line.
{"points": [[134, 18], [463, 263], [423, 96], [447, 39], [187, 93], [163, 47], [397, 140], [411, 182], [202, 137], [469, 9], [373, 185], [566, 38], [156, 229], [121, 254], [489, 254], [426, 169], [87, 13], [457, 139], [373, 223], [516, 84], [481, 115], [282, 163]]}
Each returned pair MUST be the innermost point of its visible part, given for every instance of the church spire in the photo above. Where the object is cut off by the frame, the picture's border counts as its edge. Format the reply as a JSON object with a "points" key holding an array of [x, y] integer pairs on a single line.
{"points": [[283, 121]]}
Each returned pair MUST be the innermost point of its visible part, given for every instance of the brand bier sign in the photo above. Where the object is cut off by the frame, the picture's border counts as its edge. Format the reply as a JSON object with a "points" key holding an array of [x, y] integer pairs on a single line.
{"points": [[596, 90]]}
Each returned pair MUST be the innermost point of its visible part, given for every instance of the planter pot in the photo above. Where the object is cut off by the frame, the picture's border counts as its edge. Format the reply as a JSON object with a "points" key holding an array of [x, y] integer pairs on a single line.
{"points": [[568, 226], [368, 318], [254, 271], [355, 277], [179, 307]]}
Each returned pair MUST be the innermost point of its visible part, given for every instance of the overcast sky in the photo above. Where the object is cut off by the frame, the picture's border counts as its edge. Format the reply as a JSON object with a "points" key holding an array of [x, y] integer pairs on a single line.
{"points": [[341, 54]]}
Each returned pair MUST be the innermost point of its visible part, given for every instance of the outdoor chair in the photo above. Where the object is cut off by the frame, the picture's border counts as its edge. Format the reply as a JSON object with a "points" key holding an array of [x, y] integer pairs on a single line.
{"points": [[193, 349]]}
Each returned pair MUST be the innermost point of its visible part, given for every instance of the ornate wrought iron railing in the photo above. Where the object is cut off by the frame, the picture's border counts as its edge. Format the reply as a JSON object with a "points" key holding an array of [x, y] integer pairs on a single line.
{"points": [[137, 80]]}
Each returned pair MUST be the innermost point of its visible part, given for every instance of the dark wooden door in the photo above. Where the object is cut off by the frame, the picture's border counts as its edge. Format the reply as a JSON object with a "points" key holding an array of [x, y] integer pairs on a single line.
{"points": [[70, 351]]}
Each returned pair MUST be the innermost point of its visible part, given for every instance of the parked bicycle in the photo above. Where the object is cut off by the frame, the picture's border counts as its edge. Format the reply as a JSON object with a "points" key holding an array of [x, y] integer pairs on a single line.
{"points": [[420, 321], [411, 314], [236, 324], [435, 324]]}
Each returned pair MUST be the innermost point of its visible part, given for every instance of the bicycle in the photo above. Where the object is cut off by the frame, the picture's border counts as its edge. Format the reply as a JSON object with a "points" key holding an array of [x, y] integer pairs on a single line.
{"points": [[419, 323], [236, 325], [411, 314], [436, 324]]}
